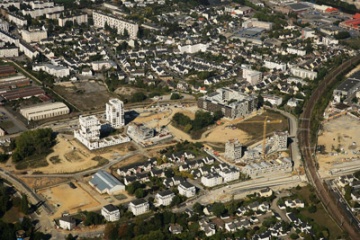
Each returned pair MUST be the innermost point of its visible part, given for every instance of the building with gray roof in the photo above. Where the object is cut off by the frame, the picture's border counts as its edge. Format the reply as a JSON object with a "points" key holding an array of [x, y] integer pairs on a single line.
{"points": [[104, 182]]}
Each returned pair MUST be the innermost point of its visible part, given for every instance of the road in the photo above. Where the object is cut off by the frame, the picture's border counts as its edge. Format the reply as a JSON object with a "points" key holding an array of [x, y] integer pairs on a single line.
{"points": [[307, 149], [294, 147], [86, 172], [241, 189]]}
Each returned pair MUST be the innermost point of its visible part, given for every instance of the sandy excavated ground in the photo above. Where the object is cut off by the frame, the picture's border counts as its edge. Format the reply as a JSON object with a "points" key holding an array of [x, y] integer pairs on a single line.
{"points": [[75, 199], [217, 134], [75, 157], [340, 133]]}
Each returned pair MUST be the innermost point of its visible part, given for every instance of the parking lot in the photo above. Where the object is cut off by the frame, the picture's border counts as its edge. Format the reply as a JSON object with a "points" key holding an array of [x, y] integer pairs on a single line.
{"points": [[10, 123]]}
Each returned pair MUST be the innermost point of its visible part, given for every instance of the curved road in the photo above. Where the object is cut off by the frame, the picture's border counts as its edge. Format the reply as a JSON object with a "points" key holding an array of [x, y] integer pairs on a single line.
{"points": [[307, 150]]}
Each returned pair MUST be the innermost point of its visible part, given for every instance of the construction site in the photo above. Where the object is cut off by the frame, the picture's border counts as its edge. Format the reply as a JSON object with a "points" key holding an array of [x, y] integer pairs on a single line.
{"points": [[338, 150]]}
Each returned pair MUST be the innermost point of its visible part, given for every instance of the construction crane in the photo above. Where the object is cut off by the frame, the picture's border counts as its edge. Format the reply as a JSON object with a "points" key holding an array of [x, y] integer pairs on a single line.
{"points": [[265, 123]]}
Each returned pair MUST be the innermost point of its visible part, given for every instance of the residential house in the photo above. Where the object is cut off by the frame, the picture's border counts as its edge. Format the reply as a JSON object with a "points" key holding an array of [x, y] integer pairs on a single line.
{"points": [[110, 213], [164, 198], [138, 206], [187, 189], [265, 192], [175, 228], [67, 223]]}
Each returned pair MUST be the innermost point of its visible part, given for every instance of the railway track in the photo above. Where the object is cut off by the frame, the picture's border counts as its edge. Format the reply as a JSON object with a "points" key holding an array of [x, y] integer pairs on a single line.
{"points": [[307, 149]]}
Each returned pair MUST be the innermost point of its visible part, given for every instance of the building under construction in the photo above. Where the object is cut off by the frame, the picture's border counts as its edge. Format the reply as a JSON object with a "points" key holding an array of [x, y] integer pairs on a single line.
{"points": [[232, 103]]}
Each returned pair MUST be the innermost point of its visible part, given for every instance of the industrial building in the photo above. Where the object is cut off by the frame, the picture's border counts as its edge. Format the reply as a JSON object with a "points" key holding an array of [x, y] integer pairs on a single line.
{"points": [[232, 103], [45, 111], [104, 182], [115, 113], [233, 149], [347, 87]]}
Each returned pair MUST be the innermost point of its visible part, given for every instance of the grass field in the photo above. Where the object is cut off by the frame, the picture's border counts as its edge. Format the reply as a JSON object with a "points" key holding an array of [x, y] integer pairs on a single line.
{"points": [[254, 126]]}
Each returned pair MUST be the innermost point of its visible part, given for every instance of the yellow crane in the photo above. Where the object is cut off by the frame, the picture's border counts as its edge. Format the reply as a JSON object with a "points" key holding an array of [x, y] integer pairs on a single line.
{"points": [[265, 123]]}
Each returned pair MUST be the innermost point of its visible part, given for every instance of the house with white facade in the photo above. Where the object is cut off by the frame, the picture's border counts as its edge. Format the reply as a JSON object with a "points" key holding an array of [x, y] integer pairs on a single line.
{"points": [[138, 206], [164, 198], [211, 180], [186, 189], [110, 213], [67, 223]]}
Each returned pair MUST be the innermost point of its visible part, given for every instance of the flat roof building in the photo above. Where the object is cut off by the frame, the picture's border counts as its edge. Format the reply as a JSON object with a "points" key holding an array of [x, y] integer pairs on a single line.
{"points": [[43, 111]]}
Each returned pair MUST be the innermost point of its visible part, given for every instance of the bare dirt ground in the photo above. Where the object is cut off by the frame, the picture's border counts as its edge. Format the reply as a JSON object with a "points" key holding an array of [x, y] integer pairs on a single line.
{"points": [[89, 95], [76, 199], [129, 161], [126, 90], [216, 134], [341, 139], [71, 156]]}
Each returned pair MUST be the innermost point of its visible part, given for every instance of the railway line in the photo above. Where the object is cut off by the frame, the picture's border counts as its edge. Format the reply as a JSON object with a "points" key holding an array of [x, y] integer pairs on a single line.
{"points": [[307, 149]]}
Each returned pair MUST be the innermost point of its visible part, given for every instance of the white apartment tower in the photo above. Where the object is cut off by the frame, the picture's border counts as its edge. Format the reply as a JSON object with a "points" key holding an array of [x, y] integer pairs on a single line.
{"points": [[89, 128], [280, 140], [233, 149], [115, 113]]}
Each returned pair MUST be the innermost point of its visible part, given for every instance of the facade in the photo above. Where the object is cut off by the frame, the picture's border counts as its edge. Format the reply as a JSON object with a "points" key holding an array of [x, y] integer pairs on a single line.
{"points": [[259, 168], [35, 35], [103, 65], [252, 76], [275, 65], [115, 113], [254, 23], [229, 175], [186, 189], [164, 198], [232, 103], [6, 37], [28, 50], [200, 47], [6, 4], [303, 73], [9, 52], [110, 213], [211, 180], [57, 71], [299, 52], [120, 24], [37, 12], [138, 207], [233, 149], [18, 20], [273, 99], [79, 19], [280, 141], [67, 223], [104, 182], [4, 25], [45, 111]]}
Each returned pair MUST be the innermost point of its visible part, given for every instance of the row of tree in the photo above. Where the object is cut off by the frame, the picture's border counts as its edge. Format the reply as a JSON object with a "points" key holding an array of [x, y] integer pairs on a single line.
{"points": [[33, 143], [202, 119]]}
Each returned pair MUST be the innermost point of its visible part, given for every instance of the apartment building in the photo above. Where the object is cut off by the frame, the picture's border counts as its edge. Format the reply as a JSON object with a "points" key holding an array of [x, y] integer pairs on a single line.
{"points": [[18, 20], [57, 71], [252, 76], [233, 149], [138, 206], [33, 35], [113, 21], [303, 73], [115, 113], [232, 103], [9, 52], [79, 19], [7, 37]]}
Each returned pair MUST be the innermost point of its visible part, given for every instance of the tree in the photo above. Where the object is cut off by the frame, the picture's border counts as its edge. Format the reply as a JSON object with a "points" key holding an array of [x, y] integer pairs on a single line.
{"points": [[312, 208], [140, 193], [70, 237], [138, 97], [24, 204], [218, 209], [93, 218], [175, 201], [198, 208], [131, 188], [175, 96], [342, 35], [218, 115], [111, 231]]}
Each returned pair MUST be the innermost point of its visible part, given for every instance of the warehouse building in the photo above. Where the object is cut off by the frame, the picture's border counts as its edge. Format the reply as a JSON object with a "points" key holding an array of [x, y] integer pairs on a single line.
{"points": [[104, 182], [45, 111]]}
